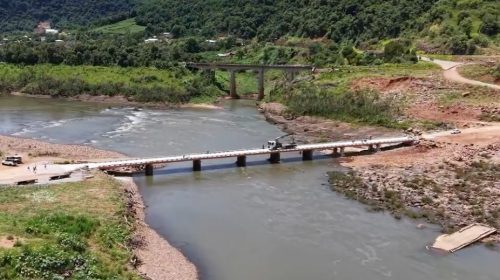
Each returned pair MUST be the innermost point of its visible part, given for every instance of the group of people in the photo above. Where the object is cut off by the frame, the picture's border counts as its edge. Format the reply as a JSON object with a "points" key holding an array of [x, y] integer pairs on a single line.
{"points": [[34, 168]]}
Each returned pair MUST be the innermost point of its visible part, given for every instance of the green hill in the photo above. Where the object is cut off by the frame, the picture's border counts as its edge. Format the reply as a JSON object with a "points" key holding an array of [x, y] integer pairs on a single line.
{"points": [[269, 20], [23, 15]]}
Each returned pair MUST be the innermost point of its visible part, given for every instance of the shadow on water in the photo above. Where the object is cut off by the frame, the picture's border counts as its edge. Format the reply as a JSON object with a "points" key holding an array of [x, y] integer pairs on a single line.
{"points": [[230, 165]]}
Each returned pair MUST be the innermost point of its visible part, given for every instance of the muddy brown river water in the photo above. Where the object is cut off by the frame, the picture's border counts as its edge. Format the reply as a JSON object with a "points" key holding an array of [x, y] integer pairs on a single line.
{"points": [[272, 222]]}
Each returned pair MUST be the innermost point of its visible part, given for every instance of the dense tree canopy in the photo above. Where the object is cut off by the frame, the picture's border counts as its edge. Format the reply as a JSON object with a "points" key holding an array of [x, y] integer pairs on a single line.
{"points": [[272, 19], [21, 15]]}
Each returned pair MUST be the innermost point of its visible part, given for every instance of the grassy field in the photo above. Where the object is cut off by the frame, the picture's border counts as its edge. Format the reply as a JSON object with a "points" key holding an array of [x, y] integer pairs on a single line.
{"points": [[176, 85], [121, 27], [66, 231]]}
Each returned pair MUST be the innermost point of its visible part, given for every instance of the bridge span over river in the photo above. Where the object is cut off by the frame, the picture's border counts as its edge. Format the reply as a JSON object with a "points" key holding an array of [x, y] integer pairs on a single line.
{"points": [[290, 71], [306, 150]]}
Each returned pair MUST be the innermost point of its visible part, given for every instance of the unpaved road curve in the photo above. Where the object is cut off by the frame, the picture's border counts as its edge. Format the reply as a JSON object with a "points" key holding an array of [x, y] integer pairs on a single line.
{"points": [[451, 73]]}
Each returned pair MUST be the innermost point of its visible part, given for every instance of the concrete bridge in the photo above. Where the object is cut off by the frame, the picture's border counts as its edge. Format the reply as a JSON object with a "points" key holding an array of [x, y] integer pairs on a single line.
{"points": [[290, 71], [307, 151]]}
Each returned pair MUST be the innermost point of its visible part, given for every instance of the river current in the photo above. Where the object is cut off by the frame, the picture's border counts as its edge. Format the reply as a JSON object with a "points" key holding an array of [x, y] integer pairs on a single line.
{"points": [[268, 222]]}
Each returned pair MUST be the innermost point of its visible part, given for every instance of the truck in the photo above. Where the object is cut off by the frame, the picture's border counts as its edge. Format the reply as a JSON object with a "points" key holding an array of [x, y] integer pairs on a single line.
{"points": [[16, 159], [277, 145]]}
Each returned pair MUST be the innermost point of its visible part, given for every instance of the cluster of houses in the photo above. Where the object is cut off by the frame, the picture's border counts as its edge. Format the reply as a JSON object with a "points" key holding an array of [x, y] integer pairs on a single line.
{"points": [[165, 36]]}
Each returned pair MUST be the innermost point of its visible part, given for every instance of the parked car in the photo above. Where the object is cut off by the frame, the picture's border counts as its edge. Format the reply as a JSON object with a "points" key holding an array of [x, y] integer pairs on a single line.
{"points": [[456, 131], [8, 163]]}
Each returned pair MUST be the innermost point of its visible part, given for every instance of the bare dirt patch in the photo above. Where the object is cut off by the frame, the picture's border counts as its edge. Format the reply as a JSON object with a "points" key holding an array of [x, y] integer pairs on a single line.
{"points": [[7, 242]]}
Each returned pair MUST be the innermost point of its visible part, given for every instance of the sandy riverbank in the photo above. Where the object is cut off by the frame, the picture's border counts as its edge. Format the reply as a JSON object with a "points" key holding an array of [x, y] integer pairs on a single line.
{"points": [[155, 257]]}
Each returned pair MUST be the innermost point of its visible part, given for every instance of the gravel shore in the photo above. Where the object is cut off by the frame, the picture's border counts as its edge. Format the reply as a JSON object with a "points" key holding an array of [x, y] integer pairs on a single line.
{"points": [[154, 258]]}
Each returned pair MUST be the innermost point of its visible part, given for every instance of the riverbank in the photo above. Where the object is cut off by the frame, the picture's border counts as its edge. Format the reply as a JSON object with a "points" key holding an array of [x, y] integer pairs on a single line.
{"points": [[451, 180], [448, 179], [120, 100], [153, 256]]}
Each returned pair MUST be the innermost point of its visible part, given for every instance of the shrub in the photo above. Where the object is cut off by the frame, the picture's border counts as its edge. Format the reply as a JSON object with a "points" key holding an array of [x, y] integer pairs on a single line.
{"points": [[490, 25], [458, 44], [398, 51], [363, 106]]}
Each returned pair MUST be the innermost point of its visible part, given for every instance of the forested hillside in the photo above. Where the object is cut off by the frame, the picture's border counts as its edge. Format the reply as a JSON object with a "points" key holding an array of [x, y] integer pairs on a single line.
{"points": [[271, 19], [23, 15]]}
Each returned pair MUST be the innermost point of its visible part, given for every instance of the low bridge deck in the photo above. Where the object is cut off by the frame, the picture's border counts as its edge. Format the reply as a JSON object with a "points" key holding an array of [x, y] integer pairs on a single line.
{"points": [[307, 153]]}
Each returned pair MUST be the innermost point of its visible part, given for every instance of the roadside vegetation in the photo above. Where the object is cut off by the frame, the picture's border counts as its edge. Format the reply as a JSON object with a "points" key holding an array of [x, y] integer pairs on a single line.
{"points": [[67, 231]]}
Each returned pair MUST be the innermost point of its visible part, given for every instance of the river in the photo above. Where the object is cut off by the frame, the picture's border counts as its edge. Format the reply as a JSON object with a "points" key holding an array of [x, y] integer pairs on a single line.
{"points": [[273, 222]]}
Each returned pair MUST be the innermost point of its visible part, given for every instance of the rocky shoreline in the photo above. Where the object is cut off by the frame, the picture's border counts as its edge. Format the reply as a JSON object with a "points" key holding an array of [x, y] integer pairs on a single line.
{"points": [[450, 180], [154, 257]]}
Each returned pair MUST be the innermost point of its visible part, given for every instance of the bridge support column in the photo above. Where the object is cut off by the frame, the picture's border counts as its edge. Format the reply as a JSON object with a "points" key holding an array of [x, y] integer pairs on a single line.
{"points": [[342, 152], [260, 79], [371, 148], [307, 155], [149, 170], [241, 161], [275, 157], [197, 165], [378, 147], [232, 85]]}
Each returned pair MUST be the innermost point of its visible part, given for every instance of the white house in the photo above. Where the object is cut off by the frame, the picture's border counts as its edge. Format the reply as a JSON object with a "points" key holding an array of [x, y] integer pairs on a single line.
{"points": [[51, 31], [151, 40]]}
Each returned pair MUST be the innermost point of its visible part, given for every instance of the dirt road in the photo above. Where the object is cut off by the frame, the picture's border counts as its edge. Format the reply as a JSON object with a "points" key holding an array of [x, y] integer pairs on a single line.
{"points": [[451, 73]]}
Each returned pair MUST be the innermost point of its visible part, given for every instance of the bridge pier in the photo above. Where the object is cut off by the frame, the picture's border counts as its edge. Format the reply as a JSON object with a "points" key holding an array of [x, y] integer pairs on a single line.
{"points": [[241, 161], [197, 165], [260, 79], [378, 147], [274, 157], [307, 155], [232, 85], [342, 151], [149, 170], [371, 148]]}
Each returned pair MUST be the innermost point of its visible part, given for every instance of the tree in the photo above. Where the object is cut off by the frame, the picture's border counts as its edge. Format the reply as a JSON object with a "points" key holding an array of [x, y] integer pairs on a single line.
{"points": [[191, 46], [490, 25], [466, 26], [458, 44]]}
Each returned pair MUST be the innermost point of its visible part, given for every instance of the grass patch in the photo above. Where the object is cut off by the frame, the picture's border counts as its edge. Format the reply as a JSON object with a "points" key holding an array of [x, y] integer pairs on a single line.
{"points": [[73, 231], [122, 27]]}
